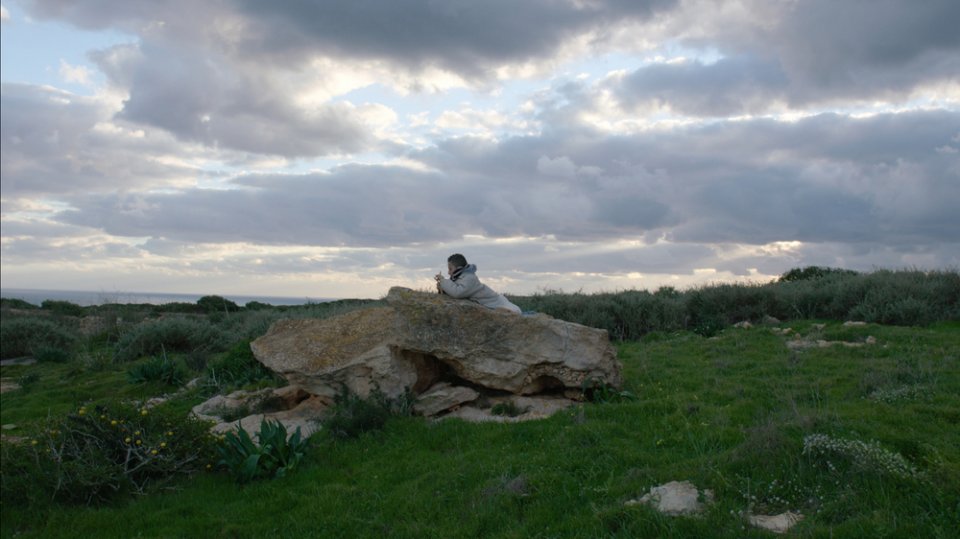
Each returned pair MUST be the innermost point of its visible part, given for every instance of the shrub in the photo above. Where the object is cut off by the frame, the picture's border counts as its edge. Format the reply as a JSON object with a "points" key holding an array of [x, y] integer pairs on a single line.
{"points": [[64, 308], [21, 336], [236, 368], [862, 456], [158, 369], [274, 456], [217, 304], [812, 272], [97, 453], [51, 354], [351, 415], [16, 303], [170, 335], [508, 409]]}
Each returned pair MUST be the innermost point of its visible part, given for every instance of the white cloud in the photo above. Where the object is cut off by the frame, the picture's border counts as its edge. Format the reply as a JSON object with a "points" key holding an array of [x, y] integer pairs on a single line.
{"points": [[76, 74]]}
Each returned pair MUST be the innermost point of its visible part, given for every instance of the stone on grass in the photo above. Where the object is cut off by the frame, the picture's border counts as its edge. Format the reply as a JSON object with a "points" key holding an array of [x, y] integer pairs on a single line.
{"points": [[676, 498], [775, 523]]}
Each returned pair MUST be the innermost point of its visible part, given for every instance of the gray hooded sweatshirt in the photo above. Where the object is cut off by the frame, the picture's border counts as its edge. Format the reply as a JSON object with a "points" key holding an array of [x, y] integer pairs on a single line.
{"points": [[464, 284]]}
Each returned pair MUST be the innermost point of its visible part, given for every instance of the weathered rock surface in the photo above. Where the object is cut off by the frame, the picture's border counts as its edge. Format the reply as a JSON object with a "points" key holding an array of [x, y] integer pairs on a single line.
{"points": [[442, 397], [420, 339]]}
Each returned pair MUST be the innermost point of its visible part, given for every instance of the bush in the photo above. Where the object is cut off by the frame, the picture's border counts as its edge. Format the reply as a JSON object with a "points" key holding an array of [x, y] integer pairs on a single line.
{"points": [[98, 453], [51, 354], [64, 308], [217, 304], [16, 303], [236, 368], [275, 455], [158, 369], [170, 335], [812, 272], [22, 336], [350, 416]]}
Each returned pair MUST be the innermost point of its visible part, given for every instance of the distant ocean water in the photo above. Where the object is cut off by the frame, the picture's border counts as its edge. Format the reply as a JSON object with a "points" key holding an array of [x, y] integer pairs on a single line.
{"points": [[87, 298]]}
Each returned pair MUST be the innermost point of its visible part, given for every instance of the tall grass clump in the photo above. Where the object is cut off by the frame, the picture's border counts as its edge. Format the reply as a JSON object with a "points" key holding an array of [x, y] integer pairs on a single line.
{"points": [[170, 335], [237, 368]]}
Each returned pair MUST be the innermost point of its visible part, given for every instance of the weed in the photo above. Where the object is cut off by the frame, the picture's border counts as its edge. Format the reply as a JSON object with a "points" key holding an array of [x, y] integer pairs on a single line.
{"points": [[352, 415], [275, 455], [158, 369], [97, 452]]}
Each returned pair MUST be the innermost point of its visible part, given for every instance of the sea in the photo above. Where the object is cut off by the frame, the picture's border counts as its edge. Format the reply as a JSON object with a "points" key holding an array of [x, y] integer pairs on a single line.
{"points": [[87, 298]]}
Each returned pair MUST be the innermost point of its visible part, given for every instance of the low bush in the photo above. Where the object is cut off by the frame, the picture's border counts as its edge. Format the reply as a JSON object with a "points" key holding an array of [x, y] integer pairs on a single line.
{"points": [[64, 308], [99, 452], [158, 369], [352, 415], [170, 335], [236, 368], [275, 456], [25, 335]]}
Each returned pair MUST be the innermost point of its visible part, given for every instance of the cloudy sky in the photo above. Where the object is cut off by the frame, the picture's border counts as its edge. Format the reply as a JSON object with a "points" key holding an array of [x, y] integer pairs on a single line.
{"points": [[334, 149]]}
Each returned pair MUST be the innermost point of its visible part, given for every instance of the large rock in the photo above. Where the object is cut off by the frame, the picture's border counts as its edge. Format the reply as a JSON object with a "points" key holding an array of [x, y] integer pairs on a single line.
{"points": [[420, 339]]}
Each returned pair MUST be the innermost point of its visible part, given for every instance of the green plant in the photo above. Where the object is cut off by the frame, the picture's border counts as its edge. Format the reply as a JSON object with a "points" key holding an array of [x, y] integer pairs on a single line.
{"points": [[352, 415], [97, 452], [597, 391], [24, 335], [51, 354], [28, 380], [64, 308], [172, 335], [508, 409], [217, 304], [275, 455], [158, 369], [237, 367], [862, 456]]}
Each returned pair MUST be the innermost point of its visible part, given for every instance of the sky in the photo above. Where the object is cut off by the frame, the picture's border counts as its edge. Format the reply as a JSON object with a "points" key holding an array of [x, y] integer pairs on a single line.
{"points": [[336, 149]]}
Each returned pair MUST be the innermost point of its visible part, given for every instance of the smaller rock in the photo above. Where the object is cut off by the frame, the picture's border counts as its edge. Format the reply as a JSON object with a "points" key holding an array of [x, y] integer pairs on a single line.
{"points": [[768, 320], [871, 340], [9, 426], [743, 325], [854, 323], [442, 397], [775, 523], [819, 327], [676, 498]]}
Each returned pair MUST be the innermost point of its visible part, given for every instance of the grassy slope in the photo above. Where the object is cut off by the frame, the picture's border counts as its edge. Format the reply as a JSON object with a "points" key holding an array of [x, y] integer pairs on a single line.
{"points": [[727, 413]]}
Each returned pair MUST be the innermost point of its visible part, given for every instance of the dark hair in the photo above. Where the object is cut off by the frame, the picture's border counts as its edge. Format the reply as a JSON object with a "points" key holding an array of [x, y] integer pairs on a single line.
{"points": [[458, 260]]}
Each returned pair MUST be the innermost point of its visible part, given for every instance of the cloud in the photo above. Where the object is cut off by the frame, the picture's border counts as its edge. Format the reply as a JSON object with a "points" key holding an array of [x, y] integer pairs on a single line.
{"points": [[77, 74], [4, 15], [57, 143]]}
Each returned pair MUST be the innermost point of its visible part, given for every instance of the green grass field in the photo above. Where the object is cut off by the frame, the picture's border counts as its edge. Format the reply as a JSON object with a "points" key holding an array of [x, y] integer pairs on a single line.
{"points": [[728, 413]]}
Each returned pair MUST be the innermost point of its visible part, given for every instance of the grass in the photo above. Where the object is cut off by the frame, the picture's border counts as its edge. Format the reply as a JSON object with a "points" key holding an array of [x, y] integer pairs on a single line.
{"points": [[728, 413]]}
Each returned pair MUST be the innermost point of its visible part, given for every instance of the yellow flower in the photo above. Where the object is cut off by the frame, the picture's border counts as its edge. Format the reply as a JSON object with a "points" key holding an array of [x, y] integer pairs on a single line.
{"points": [[127, 439], [163, 444], [81, 412], [209, 466], [169, 433], [143, 412], [154, 452], [136, 433], [139, 442], [113, 422], [34, 442]]}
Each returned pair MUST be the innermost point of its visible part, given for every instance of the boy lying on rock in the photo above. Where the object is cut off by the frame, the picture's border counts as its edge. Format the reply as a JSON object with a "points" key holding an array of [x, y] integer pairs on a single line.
{"points": [[464, 284]]}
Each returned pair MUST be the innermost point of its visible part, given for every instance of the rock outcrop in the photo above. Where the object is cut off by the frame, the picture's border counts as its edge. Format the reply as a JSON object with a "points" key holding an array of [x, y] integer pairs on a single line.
{"points": [[446, 351]]}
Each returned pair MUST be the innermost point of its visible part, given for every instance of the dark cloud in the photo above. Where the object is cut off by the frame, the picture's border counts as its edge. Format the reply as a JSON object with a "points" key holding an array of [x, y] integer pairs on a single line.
{"points": [[730, 86]]}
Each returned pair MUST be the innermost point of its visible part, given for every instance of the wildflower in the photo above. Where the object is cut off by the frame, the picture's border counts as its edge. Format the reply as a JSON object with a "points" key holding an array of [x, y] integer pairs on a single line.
{"points": [[143, 412], [136, 433], [163, 445], [113, 423], [153, 452], [103, 416], [139, 442], [169, 433], [34, 442], [82, 411], [127, 440]]}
